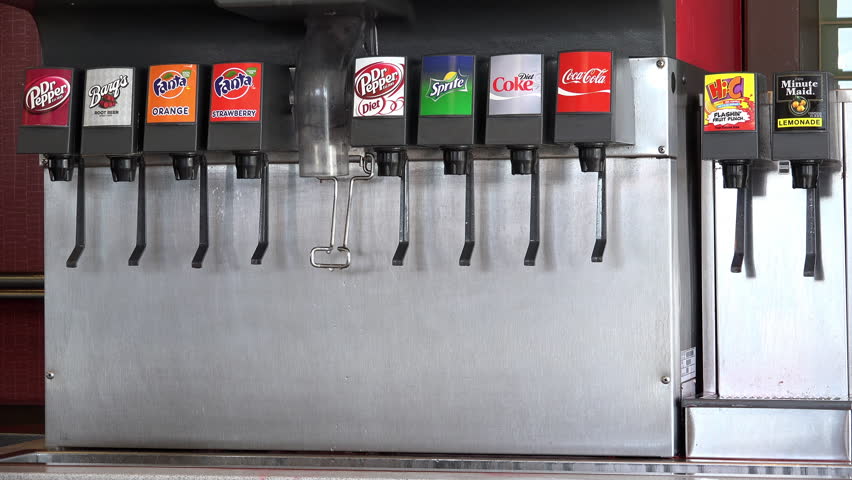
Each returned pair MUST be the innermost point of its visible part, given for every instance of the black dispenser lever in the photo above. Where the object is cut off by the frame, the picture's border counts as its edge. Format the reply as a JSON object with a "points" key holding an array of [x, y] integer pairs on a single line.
{"points": [[141, 232], [80, 236], [806, 176], [203, 216], [263, 228], [593, 159], [736, 174], [394, 162], [469, 215], [535, 227]]}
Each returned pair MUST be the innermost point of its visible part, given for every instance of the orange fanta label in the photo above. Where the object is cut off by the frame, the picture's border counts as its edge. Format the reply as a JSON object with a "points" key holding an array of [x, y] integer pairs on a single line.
{"points": [[172, 93]]}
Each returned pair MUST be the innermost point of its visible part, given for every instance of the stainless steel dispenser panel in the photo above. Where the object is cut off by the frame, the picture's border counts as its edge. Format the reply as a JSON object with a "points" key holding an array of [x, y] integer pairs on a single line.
{"points": [[779, 334], [568, 357]]}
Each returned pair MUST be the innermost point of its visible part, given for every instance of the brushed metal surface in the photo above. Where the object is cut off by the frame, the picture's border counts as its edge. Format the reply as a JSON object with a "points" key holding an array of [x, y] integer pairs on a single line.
{"points": [[780, 334], [708, 278], [562, 358], [768, 433]]}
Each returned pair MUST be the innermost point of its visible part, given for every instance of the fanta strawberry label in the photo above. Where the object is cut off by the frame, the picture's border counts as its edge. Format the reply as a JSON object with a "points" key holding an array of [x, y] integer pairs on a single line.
{"points": [[47, 97], [172, 93], [236, 92]]}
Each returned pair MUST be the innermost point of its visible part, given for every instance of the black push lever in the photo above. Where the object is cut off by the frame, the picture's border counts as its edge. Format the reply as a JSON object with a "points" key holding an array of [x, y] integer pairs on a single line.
{"points": [[80, 240], [737, 174], [593, 159], [806, 175], [402, 246], [263, 228], [535, 228], [203, 225], [469, 216], [141, 237]]}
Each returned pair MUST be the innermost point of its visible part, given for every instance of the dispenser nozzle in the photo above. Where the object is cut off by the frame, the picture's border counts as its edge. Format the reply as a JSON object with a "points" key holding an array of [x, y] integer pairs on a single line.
{"points": [[185, 165], [61, 167], [123, 168], [457, 160]]}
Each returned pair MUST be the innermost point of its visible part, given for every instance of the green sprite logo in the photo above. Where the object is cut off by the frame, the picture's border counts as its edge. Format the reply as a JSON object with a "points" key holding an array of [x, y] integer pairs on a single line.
{"points": [[452, 82]]}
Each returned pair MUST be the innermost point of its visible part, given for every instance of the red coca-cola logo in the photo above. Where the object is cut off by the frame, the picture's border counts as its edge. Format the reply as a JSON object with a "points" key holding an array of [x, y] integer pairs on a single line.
{"points": [[378, 80], [523, 82], [585, 82], [46, 94]]}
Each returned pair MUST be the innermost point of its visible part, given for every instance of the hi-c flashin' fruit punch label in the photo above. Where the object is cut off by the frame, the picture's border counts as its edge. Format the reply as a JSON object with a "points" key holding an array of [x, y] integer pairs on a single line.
{"points": [[584, 83], [108, 99], [447, 85], [47, 97], [379, 87], [800, 102], [236, 92], [729, 103], [172, 93], [515, 85]]}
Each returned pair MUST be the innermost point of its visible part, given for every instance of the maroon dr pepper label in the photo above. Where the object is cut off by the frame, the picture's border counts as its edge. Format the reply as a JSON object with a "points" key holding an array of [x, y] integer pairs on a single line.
{"points": [[47, 97]]}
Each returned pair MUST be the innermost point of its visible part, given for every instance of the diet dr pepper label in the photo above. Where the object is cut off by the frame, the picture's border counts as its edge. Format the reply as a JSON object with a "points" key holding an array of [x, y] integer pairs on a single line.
{"points": [[108, 97], [236, 92], [47, 97], [379, 87], [585, 82], [515, 85], [172, 93], [729, 102], [447, 85], [799, 102]]}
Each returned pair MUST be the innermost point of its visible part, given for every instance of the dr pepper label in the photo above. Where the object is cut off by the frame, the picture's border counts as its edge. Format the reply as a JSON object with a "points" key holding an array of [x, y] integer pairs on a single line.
{"points": [[729, 102], [172, 93], [379, 87], [47, 97], [236, 92], [584, 83]]}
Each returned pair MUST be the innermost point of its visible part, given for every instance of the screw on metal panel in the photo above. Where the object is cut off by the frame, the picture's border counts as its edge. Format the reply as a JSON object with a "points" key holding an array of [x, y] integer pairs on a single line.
{"points": [[50, 375], [683, 79], [666, 380], [662, 149], [661, 63]]}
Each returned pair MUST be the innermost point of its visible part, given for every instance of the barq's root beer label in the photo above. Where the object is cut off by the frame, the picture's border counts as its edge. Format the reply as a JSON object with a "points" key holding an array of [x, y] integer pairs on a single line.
{"points": [[447, 85], [109, 97], [585, 82], [729, 102], [515, 85], [47, 97], [236, 92], [379, 87], [799, 102], [172, 93]]}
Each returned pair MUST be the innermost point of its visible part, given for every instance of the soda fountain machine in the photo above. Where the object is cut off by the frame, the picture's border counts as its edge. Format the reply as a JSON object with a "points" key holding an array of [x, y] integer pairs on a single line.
{"points": [[776, 343], [112, 128], [175, 123], [50, 125]]}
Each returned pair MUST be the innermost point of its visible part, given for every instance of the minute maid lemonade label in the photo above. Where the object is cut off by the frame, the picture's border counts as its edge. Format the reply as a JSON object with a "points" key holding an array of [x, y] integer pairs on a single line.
{"points": [[172, 93], [799, 102], [729, 102], [447, 85]]}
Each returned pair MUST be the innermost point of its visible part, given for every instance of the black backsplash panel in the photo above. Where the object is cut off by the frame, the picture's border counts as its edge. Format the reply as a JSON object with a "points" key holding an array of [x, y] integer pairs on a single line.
{"points": [[139, 33]]}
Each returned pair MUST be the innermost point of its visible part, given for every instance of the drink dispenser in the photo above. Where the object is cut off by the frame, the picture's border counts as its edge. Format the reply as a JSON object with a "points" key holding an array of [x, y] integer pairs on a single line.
{"points": [[251, 115], [382, 119], [50, 125], [594, 109], [735, 135], [173, 125], [515, 120], [448, 119], [806, 133], [111, 127]]}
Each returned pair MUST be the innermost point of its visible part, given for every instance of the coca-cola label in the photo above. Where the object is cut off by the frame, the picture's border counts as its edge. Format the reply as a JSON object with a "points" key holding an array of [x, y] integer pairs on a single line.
{"points": [[379, 87], [585, 82], [108, 99], [236, 92], [47, 97], [515, 85]]}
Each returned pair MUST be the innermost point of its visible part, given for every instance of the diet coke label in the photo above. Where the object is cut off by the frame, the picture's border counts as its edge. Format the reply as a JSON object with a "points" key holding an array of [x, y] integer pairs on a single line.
{"points": [[515, 85], [47, 97], [585, 82], [379, 87]]}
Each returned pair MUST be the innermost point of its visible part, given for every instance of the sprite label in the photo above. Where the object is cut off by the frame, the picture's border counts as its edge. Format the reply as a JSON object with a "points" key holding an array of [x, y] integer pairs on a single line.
{"points": [[447, 85]]}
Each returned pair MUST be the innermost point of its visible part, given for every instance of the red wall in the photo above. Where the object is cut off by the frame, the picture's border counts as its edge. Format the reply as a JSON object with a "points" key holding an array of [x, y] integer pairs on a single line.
{"points": [[710, 34], [21, 219]]}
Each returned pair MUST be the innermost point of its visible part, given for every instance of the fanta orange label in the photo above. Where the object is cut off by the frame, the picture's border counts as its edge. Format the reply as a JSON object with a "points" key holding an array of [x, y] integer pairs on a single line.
{"points": [[172, 93]]}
